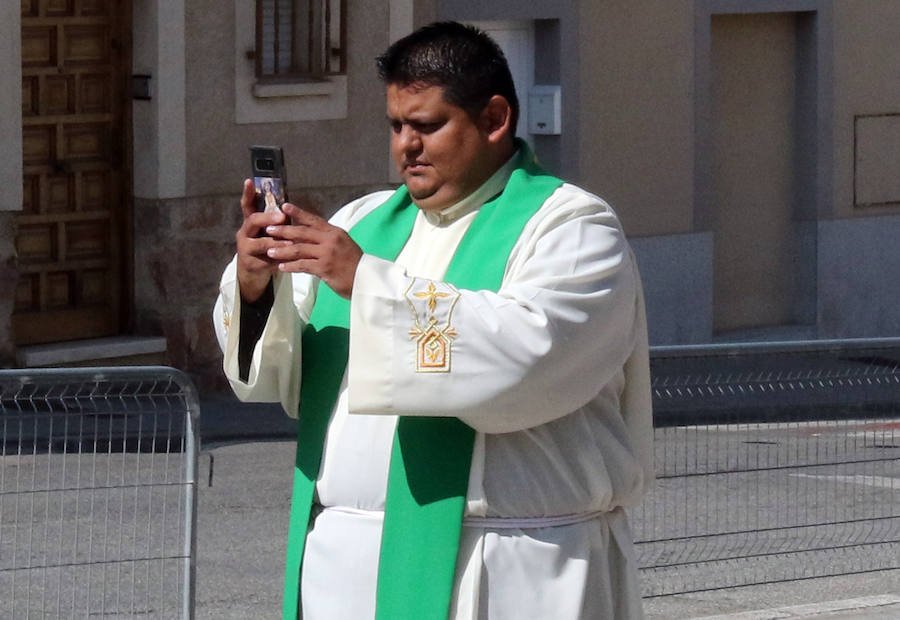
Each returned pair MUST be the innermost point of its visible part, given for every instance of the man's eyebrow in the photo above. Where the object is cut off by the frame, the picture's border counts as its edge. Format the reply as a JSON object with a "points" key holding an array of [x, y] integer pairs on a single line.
{"points": [[411, 120]]}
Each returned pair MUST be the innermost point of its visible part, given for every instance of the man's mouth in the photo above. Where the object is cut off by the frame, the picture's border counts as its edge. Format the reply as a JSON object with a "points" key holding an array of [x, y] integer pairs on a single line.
{"points": [[415, 166]]}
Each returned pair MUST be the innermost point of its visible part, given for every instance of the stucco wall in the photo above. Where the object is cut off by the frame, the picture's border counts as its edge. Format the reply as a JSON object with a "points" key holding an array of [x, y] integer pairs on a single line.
{"points": [[866, 83], [351, 151], [636, 110], [627, 108]]}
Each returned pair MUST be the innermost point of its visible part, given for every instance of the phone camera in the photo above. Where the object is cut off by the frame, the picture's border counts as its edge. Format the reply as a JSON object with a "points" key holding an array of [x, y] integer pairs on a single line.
{"points": [[265, 163]]}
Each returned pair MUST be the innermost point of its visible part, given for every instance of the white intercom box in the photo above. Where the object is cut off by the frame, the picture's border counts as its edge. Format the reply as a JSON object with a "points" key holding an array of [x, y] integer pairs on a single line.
{"points": [[545, 110]]}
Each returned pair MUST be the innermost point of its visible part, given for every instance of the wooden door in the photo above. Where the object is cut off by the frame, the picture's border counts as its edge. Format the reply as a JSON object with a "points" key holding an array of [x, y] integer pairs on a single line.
{"points": [[71, 242]]}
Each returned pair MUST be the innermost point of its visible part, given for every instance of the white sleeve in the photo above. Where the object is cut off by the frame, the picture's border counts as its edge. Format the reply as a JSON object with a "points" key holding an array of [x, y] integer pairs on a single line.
{"points": [[561, 326], [274, 374], [275, 366]]}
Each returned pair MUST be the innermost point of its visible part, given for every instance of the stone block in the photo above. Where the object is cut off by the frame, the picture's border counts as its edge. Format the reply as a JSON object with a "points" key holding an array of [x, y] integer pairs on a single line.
{"points": [[677, 275], [8, 279], [192, 347], [857, 277], [182, 273], [209, 215], [151, 220]]}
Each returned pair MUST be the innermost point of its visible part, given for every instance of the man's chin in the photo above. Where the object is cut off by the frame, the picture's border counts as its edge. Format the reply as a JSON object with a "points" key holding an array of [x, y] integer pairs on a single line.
{"points": [[419, 191], [427, 201]]}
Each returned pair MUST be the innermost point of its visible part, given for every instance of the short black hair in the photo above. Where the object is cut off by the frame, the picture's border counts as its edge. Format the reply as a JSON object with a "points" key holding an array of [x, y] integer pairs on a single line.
{"points": [[463, 60]]}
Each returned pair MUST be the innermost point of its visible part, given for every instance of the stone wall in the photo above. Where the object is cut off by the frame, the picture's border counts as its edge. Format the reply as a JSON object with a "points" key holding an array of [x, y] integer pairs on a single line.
{"points": [[858, 286], [181, 248], [8, 279]]}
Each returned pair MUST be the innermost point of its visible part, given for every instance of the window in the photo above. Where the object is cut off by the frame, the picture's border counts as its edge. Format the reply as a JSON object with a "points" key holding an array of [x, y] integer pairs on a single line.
{"points": [[300, 39]]}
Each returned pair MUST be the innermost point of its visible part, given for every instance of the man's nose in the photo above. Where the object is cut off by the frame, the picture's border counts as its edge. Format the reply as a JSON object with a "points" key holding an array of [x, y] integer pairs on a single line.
{"points": [[409, 139]]}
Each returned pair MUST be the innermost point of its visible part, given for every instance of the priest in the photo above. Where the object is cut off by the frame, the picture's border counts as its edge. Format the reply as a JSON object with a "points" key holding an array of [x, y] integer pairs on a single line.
{"points": [[467, 359]]}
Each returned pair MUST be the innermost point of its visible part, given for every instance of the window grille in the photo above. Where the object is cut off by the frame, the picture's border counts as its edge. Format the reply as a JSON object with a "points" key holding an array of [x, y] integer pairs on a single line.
{"points": [[300, 39]]}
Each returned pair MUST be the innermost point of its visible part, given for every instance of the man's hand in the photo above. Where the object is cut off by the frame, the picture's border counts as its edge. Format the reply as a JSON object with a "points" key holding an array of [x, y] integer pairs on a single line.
{"points": [[312, 245], [254, 266]]}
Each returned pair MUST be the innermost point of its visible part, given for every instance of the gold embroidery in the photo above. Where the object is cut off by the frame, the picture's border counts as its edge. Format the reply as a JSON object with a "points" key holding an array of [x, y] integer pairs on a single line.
{"points": [[433, 341], [226, 319], [431, 295]]}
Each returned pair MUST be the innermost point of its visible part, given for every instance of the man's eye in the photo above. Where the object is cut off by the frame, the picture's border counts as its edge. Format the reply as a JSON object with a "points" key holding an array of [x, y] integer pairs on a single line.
{"points": [[427, 127]]}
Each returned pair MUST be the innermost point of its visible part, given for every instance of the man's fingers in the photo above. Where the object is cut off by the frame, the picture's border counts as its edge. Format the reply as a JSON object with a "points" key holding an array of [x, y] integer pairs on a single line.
{"points": [[256, 248], [290, 251], [302, 217], [254, 220], [296, 234], [258, 221], [302, 265], [248, 198]]}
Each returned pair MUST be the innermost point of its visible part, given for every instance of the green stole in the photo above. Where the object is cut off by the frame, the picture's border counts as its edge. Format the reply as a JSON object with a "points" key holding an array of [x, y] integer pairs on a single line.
{"points": [[429, 471]]}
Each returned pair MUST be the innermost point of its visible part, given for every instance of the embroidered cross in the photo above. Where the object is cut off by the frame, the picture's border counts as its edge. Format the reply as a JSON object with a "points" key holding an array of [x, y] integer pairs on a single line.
{"points": [[433, 340], [432, 295]]}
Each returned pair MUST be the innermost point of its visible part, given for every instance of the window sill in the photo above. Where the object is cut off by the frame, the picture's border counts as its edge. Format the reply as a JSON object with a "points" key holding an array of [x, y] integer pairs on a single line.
{"points": [[324, 88], [259, 102]]}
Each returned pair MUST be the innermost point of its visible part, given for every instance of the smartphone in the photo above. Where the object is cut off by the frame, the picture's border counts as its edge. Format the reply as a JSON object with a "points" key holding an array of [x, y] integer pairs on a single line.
{"points": [[268, 177]]}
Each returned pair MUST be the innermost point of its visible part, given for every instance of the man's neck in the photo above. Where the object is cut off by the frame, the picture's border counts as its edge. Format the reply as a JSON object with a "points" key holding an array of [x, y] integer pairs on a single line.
{"points": [[491, 186]]}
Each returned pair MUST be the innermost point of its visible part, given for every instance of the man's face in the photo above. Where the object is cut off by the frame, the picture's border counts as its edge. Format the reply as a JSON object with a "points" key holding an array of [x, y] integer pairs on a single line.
{"points": [[437, 147]]}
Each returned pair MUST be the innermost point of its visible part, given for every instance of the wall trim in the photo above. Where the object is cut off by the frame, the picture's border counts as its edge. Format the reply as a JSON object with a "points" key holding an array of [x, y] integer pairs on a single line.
{"points": [[160, 127], [11, 106]]}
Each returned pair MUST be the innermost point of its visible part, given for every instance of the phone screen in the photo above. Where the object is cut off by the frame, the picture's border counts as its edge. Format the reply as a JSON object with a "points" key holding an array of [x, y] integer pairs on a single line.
{"points": [[268, 177]]}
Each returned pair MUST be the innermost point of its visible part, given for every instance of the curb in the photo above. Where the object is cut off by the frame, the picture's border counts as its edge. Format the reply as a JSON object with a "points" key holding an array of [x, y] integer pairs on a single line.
{"points": [[813, 609]]}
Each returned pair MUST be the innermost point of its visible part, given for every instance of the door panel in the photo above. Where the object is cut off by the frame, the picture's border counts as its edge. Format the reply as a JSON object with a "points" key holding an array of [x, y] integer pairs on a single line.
{"points": [[71, 254], [754, 75]]}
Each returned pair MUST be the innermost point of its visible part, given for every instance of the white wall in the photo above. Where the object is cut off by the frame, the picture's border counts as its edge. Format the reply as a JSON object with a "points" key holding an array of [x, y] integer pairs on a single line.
{"points": [[159, 124]]}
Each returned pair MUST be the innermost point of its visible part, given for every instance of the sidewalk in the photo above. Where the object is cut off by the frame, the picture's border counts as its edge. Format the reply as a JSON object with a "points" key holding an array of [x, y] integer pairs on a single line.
{"points": [[884, 607], [868, 596]]}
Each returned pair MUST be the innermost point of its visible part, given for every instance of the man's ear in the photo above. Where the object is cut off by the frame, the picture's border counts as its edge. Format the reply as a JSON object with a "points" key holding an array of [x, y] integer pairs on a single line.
{"points": [[495, 119]]}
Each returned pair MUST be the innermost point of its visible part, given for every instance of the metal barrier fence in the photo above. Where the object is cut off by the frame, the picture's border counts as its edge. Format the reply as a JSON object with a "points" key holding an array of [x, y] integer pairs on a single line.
{"points": [[775, 462], [97, 488]]}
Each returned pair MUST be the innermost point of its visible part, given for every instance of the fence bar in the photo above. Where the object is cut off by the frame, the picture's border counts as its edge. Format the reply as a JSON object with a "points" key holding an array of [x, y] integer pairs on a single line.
{"points": [[775, 462], [87, 482]]}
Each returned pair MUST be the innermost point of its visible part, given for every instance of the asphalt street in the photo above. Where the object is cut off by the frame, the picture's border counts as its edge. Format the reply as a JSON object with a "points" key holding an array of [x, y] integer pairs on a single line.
{"points": [[778, 463], [243, 516], [788, 484]]}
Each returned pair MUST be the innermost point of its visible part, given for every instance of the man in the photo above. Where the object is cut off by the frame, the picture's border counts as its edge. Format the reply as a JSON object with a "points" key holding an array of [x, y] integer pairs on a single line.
{"points": [[474, 408]]}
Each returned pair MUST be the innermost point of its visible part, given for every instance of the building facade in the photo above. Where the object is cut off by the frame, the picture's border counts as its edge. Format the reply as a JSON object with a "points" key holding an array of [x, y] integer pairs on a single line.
{"points": [[750, 147]]}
